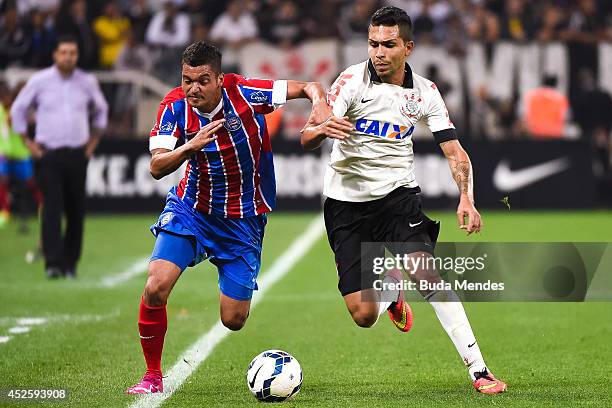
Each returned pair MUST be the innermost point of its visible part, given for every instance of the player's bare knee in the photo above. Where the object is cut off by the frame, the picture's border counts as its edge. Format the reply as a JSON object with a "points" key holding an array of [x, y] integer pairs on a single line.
{"points": [[156, 290], [364, 317], [234, 321]]}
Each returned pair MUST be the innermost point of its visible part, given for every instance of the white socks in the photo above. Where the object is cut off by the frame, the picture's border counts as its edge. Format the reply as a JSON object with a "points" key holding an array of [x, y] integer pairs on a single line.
{"points": [[452, 316]]}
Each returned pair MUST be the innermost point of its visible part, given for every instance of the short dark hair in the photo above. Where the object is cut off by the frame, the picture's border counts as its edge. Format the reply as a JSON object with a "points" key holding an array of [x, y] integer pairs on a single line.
{"points": [[202, 53], [66, 38], [390, 16]]}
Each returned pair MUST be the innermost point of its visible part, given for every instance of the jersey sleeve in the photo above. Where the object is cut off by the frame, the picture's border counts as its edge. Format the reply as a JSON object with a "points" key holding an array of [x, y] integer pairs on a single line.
{"points": [[341, 94], [165, 132], [264, 95], [437, 119]]}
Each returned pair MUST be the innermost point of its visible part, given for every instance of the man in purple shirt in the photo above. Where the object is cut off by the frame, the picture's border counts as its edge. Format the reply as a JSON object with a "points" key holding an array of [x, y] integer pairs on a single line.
{"points": [[65, 100]]}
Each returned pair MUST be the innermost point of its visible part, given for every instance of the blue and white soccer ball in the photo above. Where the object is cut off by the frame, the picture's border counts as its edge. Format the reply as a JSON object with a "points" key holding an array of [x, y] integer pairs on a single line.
{"points": [[274, 376]]}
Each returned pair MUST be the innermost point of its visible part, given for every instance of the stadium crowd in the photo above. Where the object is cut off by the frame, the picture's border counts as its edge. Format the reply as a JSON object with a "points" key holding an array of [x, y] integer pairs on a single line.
{"points": [[143, 34], [121, 33]]}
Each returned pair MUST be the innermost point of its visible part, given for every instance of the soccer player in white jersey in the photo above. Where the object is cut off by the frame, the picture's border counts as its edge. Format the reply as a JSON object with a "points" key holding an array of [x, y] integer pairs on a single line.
{"points": [[372, 193]]}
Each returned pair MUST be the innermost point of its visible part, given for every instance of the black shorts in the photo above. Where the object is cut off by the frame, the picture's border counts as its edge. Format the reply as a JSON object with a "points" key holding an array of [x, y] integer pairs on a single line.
{"points": [[395, 218]]}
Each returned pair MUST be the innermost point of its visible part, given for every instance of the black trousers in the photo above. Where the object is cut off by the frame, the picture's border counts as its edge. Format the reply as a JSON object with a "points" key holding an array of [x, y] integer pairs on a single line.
{"points": [[63, 173]]}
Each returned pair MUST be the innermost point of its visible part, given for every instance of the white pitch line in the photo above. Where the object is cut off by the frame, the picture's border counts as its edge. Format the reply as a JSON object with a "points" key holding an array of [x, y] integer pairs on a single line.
{"points": [[201, 349], [18, 330], [4, 339], [64, 318], [137, 268], [31, 321]]}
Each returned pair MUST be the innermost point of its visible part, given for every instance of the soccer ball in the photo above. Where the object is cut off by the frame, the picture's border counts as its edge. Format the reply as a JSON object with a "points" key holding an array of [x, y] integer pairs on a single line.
{"points": [[274, 376]]}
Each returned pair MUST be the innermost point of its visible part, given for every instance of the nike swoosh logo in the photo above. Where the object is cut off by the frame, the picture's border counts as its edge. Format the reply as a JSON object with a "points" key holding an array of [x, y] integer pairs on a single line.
{"points": [[506, 179], [470, 345], [252, 383], [414, 225], [366, 100]]}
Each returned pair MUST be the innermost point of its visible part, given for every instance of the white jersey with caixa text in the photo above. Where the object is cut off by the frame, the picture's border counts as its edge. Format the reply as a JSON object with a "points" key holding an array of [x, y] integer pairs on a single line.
{"points": [[377, 157]]}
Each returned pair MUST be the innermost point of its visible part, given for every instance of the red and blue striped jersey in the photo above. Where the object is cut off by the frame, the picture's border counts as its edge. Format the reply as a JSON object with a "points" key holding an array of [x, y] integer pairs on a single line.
{"points": [[233, 176]]}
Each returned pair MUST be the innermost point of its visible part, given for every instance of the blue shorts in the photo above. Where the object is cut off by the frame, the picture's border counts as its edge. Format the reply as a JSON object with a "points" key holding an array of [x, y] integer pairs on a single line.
{"points": [[21, 169], [186, 237]]}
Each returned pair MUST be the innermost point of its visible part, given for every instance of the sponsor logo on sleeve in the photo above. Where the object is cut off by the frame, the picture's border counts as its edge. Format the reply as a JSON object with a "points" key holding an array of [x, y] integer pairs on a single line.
{"points": [[166, 127], [258, 97]]}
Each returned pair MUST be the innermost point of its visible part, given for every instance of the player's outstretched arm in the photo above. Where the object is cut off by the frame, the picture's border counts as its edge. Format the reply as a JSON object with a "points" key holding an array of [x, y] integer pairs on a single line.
{"points": [[461, 170], [333, 127], [321, 123], [314, 92], [164, 161]]}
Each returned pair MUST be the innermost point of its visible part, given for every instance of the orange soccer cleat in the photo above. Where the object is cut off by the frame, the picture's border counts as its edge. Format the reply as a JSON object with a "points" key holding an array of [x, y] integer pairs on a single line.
{"points": [[401, 315], [488, 384], [400, 311]]}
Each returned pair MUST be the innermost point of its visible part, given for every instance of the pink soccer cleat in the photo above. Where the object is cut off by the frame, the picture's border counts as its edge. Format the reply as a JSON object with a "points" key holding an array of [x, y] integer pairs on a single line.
{"points": [[150, 383]]}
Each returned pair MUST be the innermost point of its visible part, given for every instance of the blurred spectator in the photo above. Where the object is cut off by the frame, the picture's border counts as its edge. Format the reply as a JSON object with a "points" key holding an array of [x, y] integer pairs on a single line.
{"points": [[111, 29], [355, 19], [133, 56], [169, 27], [545, 110], [168, 32], [42, 35], [14, 39], [200, 32], [551, 24], [72, 21], [592, 111], [454, 35], [284, 27], [585, 28], [320, 20], [140, 16], [15, 165], [482, 25], [438, 10], [586, 24], [424, 25], [46, 6], [231, 30], [515, 23], [195, 10]]}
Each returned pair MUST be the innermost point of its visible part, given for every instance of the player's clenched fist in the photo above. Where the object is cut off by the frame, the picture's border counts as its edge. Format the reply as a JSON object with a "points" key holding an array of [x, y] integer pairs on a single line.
{"points": [[206, 135]]}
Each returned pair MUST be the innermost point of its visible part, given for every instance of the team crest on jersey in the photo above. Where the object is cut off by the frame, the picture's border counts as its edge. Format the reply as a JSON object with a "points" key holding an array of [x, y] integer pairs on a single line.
{"points": [[165, 219], [232, 122], [412, 105]]}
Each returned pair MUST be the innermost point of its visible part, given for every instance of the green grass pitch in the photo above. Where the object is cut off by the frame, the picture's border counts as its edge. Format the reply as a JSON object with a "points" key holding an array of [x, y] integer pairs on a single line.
{"points": [[551, 354]]}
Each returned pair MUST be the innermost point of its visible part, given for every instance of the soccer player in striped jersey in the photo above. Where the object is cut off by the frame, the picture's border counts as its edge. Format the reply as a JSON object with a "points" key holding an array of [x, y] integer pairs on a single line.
{"points": [[214, 122]]}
